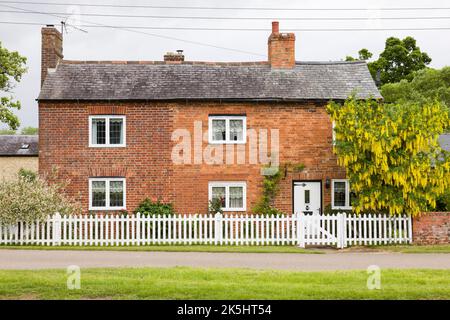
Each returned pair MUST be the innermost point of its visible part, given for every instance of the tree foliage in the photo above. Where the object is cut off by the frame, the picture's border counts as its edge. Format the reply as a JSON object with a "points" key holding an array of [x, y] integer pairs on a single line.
{"points": [[363, 54], [7, 132], [391, 153], [427, 84], [12, 67], [399, 60], [30, 131], [30, 198]]}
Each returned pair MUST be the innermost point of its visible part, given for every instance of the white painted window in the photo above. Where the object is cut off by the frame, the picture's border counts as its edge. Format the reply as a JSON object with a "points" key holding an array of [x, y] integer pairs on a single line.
{"points": [[233, 194], [107, 194], [340, 194], [107, 131], [227, 129]]}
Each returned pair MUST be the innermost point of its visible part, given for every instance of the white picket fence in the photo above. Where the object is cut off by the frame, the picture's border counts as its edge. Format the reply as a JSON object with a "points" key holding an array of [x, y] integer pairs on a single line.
{"points": [[338, 230]]}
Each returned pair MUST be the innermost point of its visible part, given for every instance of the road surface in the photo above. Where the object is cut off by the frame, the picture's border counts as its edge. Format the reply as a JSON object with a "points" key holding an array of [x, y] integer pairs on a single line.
{"points": [[45, 259]]}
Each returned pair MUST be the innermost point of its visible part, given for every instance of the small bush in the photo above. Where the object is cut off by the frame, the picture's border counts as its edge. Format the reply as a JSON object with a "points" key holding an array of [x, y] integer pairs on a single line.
{"points": [[215, 205], [148, 207], [27, 174], [31, 198], [442, 202]]}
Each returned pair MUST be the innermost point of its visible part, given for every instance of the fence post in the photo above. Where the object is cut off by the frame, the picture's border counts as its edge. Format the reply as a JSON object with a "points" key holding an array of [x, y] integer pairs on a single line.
{"points": [[218, 228], [56, 239], [299, 217], [341, 231]]}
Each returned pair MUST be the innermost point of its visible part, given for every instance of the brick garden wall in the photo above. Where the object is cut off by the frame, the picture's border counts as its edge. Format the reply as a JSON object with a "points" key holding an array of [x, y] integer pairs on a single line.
{"points": [[432, 228]]}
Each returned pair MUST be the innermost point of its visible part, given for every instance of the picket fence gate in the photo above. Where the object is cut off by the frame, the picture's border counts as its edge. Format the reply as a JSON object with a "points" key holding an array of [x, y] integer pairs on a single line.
{"points": [[338, 230]]}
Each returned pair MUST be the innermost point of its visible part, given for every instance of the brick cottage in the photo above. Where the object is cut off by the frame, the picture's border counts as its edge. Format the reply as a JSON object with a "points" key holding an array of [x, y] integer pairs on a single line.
{"points": [[186, 132]]}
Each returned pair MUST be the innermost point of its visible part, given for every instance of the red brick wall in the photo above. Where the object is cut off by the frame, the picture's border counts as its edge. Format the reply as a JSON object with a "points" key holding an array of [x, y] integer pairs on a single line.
{"points": [[304, 131], [145, 162], [432, 228]]}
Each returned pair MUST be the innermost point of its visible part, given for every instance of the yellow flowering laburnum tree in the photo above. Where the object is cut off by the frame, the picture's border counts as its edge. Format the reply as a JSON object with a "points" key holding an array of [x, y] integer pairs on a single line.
{"points": [[391, 153]]}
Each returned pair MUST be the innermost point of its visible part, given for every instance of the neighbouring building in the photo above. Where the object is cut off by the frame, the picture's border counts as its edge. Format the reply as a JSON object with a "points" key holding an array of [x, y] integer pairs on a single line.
{"points": [[17, 152], [187, 132]]}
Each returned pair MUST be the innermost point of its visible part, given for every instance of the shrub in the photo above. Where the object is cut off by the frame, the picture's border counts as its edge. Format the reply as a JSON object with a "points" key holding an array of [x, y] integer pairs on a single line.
{"points": [[31, 198], [215, 205], [442, 202], [148, 207], [27, 174]]}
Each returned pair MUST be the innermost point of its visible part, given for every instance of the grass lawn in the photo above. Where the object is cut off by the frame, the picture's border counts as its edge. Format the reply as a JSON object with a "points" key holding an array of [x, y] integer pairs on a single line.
{"points": [[175, 248], [193, 283]]}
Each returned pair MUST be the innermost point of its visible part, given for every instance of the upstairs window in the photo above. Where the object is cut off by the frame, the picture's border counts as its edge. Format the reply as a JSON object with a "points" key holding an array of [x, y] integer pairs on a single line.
{"points": [[232, 194], [107, 131], [341, 196], [107, 194], [227, 129]]}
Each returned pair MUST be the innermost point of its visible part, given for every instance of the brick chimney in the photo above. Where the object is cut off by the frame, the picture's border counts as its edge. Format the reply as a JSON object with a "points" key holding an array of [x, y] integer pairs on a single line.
{"points": [[174, 57], [52, 49], [281, 48]]}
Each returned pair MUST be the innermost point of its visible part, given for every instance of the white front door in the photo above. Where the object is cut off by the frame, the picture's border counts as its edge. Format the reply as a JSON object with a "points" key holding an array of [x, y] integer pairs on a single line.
{"points": [[307, 197]]}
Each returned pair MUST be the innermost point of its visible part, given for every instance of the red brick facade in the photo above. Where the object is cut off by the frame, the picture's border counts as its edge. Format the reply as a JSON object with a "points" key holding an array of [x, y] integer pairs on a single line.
{"points": [[432, 228], [305, 136]]}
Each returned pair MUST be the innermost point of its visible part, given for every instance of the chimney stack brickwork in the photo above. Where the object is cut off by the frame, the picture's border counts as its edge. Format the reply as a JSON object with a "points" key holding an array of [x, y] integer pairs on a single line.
{"points": [[281, 48], [174, 58], [51, 50]]}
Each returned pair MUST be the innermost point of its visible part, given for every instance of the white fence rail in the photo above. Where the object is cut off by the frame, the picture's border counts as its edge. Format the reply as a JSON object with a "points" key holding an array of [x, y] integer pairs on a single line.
{"points": [[338, 230]]}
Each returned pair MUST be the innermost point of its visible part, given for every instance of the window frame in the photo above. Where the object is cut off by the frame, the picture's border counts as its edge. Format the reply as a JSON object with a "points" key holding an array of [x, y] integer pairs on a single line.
{"points": [[347, 205], [227, 119], [107, 193], [227, 185], [107, 131]]}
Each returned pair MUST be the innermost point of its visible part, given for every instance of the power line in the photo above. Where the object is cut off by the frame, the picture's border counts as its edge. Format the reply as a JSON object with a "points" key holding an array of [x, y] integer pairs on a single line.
{"points": [[224, 8], [235, 18], [142, 32], [234, 29]]}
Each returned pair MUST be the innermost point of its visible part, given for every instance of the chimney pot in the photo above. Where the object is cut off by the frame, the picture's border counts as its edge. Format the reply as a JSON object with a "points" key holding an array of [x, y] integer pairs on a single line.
{"points": [[275, 27]]}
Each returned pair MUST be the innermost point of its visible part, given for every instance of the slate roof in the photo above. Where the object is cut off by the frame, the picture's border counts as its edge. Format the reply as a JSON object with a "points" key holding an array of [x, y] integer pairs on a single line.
{"points": [[206, 81], [15, 145]]}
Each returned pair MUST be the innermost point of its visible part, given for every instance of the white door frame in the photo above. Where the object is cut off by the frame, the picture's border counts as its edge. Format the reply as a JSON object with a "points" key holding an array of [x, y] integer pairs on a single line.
{"points": [[297, 182]]}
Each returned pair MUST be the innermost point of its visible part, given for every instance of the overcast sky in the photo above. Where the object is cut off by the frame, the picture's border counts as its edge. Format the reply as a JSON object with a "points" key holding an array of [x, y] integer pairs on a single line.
{"points": [[112, 44]]}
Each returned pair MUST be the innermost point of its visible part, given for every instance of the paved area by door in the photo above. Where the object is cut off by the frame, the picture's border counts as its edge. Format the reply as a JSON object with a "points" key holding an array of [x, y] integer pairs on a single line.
{"points": [[43, 259]]}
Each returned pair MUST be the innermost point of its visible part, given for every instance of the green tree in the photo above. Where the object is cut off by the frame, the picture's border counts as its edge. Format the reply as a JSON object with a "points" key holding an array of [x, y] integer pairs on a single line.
{"points": [[427, 84], [31, 198], [363, 54], [399, 60], [391, 153], [7, 132], [12, 67], [31, 131]]}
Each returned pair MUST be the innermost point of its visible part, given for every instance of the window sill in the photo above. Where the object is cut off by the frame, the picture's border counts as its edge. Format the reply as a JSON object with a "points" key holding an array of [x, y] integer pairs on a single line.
{"points": [[107, 146], [107, 208], [341, 208], [233, 209], [227, 142]]}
